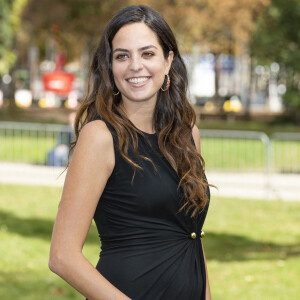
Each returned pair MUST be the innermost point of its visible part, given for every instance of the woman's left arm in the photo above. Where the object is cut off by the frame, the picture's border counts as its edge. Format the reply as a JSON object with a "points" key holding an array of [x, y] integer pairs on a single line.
{"points": [[196, 137], [207, 293]]}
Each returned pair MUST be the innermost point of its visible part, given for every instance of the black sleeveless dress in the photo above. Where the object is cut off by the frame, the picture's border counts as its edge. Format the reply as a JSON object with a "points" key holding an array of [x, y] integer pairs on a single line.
{"points": [[146, 247]]}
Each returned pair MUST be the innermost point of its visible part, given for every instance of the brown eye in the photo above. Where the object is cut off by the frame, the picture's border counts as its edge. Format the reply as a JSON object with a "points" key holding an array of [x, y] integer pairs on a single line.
{"points": [[148, 54]]}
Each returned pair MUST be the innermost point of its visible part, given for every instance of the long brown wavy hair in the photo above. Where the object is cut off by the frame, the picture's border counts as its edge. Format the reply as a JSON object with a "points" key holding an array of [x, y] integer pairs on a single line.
{"points": [[174, 116]]}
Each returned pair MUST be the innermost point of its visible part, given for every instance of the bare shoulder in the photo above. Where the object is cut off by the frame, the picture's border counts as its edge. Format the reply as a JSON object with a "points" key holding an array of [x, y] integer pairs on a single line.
{"points": [[196, 137], [96, 132], [95, 145]]}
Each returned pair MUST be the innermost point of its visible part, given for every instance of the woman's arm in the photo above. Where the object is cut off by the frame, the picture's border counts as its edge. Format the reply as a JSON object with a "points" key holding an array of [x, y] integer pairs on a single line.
{"points": [[207, 293], [90, 168], [196, 137]]}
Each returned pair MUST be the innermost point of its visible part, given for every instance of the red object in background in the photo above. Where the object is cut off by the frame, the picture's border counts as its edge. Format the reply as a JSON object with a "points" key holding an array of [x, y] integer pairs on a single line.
{"points": [[60, 61], [58, 82]]}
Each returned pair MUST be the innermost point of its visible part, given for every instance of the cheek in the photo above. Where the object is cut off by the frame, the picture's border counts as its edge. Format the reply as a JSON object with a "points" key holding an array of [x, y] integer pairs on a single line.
{"points": [[161, 76], [117, 71], [160, 70]]}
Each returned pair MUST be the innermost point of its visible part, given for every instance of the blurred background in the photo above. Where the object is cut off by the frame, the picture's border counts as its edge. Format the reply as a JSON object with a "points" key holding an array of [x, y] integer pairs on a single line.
{"points": [[243, 62]]}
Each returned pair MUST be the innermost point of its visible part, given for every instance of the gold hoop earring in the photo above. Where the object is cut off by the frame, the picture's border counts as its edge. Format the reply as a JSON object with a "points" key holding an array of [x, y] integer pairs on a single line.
{"points": [[116, 94], [167, 84]]}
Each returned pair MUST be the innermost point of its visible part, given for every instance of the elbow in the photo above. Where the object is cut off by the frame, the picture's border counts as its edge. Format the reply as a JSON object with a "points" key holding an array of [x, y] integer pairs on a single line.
{"points": [[56, 262], [53, 264], [62, 260]]}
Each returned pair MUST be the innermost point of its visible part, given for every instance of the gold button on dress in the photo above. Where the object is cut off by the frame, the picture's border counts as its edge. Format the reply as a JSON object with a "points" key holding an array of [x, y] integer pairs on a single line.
{"points": [[193, 235]]}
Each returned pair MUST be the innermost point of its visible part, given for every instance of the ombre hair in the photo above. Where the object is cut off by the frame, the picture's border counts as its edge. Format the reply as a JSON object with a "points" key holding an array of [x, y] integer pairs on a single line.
{"points": [[174, 116]]}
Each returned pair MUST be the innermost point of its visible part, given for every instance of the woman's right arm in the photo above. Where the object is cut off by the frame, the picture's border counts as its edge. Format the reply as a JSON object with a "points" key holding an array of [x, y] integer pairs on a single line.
{"points": [[89, 170]]}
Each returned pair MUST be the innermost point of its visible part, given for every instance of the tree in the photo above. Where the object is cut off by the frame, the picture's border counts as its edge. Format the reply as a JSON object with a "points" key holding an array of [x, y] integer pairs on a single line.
{"points": [[73, 23], [9, 24], [277, 39], [220, 26]]}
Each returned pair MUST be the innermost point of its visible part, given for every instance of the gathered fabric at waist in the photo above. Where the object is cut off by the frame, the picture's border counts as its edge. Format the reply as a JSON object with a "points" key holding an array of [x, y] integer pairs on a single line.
{"points": [[146, 239]]}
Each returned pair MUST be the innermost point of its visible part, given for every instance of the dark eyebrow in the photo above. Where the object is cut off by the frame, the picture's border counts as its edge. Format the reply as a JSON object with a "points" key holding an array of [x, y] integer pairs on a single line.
{"points": [[141, 49], [147, 47], [120, 50]]}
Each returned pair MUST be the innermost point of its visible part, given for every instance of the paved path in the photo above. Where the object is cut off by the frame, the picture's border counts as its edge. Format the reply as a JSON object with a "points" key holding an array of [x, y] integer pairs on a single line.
{"points": [[31, 174], [240, 185]]}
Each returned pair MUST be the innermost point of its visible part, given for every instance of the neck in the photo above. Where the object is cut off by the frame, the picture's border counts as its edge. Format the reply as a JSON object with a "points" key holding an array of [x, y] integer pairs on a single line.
{"points": [[141, 115]]}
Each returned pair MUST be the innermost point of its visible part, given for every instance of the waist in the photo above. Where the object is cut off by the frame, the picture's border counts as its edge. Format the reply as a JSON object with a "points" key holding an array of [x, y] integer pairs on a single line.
{"points": [[149, 239]]}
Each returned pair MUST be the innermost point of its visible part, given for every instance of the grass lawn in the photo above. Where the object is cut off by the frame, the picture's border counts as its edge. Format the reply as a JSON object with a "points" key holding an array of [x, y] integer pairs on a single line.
{"points": [[252, 247], [219, 153]]}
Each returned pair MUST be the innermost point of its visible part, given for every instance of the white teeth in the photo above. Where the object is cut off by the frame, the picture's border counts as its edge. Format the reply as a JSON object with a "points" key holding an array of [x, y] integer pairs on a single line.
{"points": [[138, 80]]}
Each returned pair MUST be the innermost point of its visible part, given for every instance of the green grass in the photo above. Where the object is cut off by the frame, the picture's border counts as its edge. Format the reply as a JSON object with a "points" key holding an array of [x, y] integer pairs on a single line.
{"points": [[252, 247], [249, 155], [268, 127], [29, 146], [219, 153], [26, 149], [233, 154], [26, 219]]}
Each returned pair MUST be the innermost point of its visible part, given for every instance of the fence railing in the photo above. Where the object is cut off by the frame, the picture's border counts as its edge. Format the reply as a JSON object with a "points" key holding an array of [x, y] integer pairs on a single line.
{"points": [[223, 150], [233, 150], [285, 152], [41, 144]]}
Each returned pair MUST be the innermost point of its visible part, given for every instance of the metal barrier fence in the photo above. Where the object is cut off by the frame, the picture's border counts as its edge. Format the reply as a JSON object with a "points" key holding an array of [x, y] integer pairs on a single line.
{"points": [[38, 144], [285, 153], [238, 151], [223, 150]]}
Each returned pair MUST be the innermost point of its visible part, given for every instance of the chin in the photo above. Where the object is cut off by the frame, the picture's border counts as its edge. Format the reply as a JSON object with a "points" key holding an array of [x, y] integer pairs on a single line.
{"points": [[141, 98]]}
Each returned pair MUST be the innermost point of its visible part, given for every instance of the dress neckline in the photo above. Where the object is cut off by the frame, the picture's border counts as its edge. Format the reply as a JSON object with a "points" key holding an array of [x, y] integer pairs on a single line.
{"points": [[143, 132]]}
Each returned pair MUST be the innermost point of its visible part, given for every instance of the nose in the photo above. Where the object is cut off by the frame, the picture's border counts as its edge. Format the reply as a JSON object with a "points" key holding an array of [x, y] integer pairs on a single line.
{"points": [[136, 63]]}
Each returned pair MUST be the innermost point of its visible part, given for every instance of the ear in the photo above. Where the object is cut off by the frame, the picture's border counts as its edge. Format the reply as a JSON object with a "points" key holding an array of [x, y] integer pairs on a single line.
{"points": [[169, 60]]}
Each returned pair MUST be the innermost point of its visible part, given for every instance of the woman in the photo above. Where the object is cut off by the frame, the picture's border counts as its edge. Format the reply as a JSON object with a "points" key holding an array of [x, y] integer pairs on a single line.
{"points": [[136, 171]]}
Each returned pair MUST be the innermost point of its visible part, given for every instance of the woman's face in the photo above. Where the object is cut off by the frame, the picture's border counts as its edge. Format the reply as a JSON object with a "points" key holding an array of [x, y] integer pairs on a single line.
{"points": [[138, 63]]}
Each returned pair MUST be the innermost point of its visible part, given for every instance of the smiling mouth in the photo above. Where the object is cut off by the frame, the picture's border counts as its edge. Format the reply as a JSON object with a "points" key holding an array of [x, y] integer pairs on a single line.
{"points": [[138, 79]]}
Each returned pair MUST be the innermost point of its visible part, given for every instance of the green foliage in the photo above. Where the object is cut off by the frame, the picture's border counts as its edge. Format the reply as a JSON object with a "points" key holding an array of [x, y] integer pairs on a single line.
{"points": [[75, 25], [277, 39], [292, 98], [6, 34], [9, 23], [80, 22], [252, 247], [277, 35]]}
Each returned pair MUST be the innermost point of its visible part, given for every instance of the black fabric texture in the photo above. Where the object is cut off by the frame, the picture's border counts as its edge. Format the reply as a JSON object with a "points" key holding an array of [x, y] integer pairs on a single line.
{"points": [[146, 248]]}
